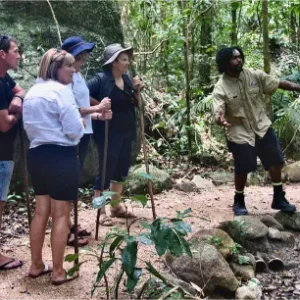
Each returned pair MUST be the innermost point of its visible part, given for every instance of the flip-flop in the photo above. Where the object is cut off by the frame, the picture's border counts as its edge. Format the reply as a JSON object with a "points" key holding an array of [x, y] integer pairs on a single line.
{"points": [[81, 241], [4, 268], [46, 270], [82, 232], [67, 279], [105, 220]]}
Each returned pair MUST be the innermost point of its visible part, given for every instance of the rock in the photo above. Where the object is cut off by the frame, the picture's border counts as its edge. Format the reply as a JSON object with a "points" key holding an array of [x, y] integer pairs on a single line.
{"points": [[137, 179], [216, 237], [291, 221], [247, 231], [244, 272], [282, 236], [219, 178], [202, 183], [208, 269], [256, 287], [244, 227], [244, 293], [185, 185], [271, 222], [292, 172]]}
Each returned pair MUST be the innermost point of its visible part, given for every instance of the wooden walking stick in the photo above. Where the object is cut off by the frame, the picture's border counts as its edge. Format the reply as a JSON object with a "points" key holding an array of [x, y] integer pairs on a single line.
{"points": [[25, 174], [103, 175], [150, 187], [76, 248]]}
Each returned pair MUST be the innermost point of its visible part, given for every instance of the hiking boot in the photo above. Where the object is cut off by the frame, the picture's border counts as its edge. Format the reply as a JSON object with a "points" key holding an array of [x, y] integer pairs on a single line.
{"points": [[280, 203], [239, 207]]}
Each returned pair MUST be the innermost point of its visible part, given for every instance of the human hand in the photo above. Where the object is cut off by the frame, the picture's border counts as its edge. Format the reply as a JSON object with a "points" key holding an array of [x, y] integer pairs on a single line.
{"points": [[137, 83], [15, 107], [104, 105], [222, 120], [107, 115]]}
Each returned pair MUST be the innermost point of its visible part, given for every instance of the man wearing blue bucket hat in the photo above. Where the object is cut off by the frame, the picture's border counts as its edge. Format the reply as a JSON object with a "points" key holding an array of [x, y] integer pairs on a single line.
{"points": [[80, 49]]}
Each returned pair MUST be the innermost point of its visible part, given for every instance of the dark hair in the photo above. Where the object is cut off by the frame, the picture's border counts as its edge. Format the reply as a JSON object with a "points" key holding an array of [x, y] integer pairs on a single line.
{"points": [[5, 41], [224, 56]]}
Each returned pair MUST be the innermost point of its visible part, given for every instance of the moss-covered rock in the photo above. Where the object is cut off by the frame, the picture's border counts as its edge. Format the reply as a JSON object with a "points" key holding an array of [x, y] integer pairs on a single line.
{"points": [[136, 182]]}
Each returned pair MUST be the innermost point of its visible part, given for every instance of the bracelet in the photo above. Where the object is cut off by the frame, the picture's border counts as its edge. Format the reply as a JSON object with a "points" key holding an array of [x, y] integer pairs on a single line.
{"points": [[17, 96]]}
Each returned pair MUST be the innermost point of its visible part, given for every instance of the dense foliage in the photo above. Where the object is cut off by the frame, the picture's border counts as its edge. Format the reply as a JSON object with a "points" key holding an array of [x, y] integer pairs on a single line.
{"points": [[175, 44]]}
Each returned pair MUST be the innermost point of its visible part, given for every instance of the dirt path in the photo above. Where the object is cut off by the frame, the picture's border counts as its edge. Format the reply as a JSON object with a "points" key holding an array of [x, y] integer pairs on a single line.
{"points": [[209, 204]]}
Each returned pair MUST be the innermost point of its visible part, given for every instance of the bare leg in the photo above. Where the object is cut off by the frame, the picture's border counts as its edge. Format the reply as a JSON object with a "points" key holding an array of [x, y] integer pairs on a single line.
{"points": [[275, 173], [37, 233], [60, 212], [240, 182], [119, 210]]}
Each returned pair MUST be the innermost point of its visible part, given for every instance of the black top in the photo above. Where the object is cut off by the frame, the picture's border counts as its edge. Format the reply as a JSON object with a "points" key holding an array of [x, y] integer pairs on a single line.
{"points": [[7, 138], [122, 102], [123, 110]]}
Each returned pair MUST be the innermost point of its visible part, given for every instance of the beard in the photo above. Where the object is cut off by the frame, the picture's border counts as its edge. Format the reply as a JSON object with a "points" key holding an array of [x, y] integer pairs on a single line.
{"points": [[236, 68]]}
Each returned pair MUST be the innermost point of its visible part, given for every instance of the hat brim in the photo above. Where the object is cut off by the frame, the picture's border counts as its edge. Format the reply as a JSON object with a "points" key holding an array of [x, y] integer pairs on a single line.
{"points": [[113, 58], [88, 47]]}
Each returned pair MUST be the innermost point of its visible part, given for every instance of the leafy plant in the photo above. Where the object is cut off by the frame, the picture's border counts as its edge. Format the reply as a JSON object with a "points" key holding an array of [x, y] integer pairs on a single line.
{"points": [[167, 235]]}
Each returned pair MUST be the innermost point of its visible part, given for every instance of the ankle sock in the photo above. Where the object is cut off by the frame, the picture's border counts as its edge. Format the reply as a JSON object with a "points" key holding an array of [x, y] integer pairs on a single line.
{"points": [[277, 187], [239, 192]]}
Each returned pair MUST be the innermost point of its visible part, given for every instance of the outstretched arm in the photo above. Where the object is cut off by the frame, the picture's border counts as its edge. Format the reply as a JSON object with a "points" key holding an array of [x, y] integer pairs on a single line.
{"points": [[288, 85]]}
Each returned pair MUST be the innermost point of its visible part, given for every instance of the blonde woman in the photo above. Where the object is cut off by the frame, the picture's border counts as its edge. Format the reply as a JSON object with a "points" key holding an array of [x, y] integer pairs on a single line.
{"points": [[54, 127]]}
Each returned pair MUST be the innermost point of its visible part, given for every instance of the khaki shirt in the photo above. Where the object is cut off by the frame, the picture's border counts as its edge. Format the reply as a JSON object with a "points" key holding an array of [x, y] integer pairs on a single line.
{"points": [[242, 101]]}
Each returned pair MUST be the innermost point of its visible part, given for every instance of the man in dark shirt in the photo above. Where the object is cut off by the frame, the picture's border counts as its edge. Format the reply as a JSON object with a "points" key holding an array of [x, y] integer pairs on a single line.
{"points": [[11, 97]]}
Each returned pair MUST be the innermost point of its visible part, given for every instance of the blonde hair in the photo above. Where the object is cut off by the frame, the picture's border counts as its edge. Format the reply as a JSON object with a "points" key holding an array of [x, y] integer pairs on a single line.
{"points": [[51, 61]]}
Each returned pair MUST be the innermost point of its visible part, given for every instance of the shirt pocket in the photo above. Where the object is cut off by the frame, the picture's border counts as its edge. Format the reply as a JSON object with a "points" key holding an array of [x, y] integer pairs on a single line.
{"points": [[233, 104]]}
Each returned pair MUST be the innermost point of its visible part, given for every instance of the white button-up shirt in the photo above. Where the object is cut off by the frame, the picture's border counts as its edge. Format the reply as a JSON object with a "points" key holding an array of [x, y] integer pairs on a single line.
{"points": [[51, 116]]}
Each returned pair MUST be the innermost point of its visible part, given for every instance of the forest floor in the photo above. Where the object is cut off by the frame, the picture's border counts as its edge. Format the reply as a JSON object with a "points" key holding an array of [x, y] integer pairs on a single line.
{"points": [[209, 207]]}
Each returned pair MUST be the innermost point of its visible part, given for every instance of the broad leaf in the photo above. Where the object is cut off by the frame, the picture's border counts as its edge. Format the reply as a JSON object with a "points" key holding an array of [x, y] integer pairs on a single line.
{"points": [[105, 266], [99, 202], [140, 198], [154, 272], [75, 268], [132, 281], [182, 227], [71, 257], [129, 257], [185, 246], [174, 244], [118, 240]]}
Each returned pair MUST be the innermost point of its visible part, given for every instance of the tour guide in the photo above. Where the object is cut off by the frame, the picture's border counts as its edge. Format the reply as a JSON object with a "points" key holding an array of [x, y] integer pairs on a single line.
{"points": [[239, 101]]}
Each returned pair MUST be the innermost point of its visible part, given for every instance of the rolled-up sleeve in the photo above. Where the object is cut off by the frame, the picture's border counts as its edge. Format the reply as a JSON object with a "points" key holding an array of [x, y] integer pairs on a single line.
{"points": [[269, 83], [219, 106], [69, 115]]}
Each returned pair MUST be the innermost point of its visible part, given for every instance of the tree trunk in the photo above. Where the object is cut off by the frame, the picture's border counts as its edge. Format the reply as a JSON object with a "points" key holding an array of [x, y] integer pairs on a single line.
{"points": [[293, 35], [234, 7], [186, 51], [265, 22], [267, 68]]}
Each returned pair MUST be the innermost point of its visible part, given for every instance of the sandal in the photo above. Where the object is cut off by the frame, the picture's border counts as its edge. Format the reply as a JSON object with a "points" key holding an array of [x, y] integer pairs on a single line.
{"points": [[81, 232], [105, 220], [46, 270], [6, 266], [81, 241], [67, 279]]}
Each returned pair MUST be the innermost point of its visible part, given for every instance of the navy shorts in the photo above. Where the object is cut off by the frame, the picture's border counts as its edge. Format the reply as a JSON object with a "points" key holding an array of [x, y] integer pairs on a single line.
{"points": [[54, 171], [118, 158], [266, 148]]}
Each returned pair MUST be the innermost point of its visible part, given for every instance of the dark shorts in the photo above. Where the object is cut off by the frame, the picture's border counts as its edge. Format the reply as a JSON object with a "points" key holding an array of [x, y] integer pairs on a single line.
{"points": [[266, 148], [118, 158], [54, 171], [83, 148]]}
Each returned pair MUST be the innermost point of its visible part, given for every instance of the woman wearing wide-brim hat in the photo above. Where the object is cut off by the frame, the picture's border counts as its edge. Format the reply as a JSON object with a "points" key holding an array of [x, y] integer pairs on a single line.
{"points": [[114, 83], [80, 49]]}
